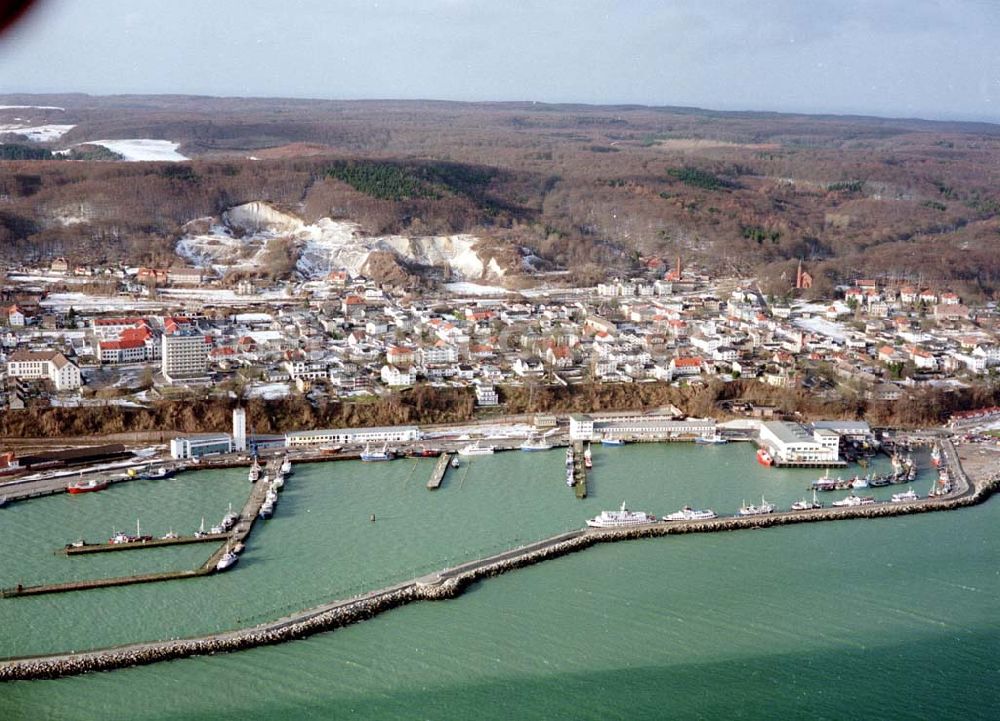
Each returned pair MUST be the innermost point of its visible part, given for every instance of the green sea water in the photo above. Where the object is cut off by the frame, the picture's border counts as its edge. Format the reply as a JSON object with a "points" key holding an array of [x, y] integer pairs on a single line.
{"points": [[891, 618]]}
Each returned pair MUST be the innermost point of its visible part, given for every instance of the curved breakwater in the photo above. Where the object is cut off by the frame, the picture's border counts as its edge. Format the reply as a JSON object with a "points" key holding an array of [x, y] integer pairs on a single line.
{"points": [[445, 584]]}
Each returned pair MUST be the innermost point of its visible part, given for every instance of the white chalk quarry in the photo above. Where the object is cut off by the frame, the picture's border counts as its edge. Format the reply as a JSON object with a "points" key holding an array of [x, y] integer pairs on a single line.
{"points": [[326, 245]]}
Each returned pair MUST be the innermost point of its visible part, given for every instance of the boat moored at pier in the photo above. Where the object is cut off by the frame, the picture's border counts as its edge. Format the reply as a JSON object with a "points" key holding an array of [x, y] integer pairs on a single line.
{"points": [[764, 457], [752, 510], [382, 455], [689, 514], [622, 518], [474, 449], [90, 486]]}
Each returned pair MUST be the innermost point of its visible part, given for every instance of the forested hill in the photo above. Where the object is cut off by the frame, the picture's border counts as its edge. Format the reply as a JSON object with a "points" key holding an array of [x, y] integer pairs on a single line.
{"points": [[589, 188]]}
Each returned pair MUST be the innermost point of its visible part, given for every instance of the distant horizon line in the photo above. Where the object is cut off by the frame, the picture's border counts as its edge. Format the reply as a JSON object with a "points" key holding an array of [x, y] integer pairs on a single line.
{"points": [[857, 114]]}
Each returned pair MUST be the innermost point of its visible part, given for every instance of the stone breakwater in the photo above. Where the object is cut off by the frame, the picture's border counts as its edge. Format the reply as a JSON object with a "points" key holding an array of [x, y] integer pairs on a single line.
{"points": [[446, 584]]}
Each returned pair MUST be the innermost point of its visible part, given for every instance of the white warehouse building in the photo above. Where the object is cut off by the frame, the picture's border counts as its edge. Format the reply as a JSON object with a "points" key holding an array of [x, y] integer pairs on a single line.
{"points": [[791, 443]]}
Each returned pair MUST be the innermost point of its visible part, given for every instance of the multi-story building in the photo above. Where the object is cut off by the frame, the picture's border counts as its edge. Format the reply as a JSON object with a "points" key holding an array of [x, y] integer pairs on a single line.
{"points": [[184, 356]]}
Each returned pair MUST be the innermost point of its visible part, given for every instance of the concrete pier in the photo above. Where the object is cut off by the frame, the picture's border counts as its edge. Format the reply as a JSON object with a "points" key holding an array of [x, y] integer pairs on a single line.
{"points": [[86, 548], [440, 468], [579, 471]]}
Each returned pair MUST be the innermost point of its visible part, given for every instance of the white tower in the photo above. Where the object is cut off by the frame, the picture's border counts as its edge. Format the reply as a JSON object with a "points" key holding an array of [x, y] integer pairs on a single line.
{"points": [[239, 430]]}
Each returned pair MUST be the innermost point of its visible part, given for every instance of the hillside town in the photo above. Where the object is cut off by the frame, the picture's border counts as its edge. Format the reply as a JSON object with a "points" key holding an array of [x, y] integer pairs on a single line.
{"points": [[151, 333]]}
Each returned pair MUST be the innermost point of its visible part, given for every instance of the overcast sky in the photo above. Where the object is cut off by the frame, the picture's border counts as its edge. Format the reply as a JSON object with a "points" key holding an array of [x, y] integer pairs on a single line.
{"points": [[911, 58]]}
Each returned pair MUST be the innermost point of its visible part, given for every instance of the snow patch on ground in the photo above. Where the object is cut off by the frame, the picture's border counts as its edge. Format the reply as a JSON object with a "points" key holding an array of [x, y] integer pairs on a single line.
{"points": [[465, 288], [38, 133], [138, 149], [269, 391], [822, 327]]}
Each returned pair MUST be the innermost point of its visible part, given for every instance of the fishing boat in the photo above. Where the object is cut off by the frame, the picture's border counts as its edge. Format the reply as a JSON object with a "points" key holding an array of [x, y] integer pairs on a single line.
{"points": [[230, 519], [122, 537], [824, 483], [764, 457], [859, 482], [155, 474], [383, 455], [609, 441], [455, 463], [228, 559], [622, 518], [90, 486], [254, 475], [266, 510], [804, 505], [569, 457], [905, 497], [286, 467], [169, 536], [201, 529], [570, 478], [474, 449], [689, 514], [278, 483], [752, 510], [714, 439], [535, 444], [588, 459], [936, 456]]}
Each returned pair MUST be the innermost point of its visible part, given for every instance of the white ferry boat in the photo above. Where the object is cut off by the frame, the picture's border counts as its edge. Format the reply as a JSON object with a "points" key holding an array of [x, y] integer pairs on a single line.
{"points": [[852, 500], [908, 495], [689, 514], [622, 518], [474, 449], [761, 510]]}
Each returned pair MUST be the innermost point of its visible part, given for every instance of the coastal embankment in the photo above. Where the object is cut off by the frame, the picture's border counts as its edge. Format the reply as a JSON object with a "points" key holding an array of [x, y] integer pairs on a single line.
{"points": [[450, 582]]}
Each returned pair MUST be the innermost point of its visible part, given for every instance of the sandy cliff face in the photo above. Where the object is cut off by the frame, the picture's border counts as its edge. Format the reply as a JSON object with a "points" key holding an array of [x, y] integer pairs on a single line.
{"points": [[238, 239]]}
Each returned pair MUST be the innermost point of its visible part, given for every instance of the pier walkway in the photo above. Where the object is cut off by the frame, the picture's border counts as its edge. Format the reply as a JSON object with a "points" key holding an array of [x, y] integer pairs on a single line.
{"points": [[72, 550], [579, 471], [440, 469]]}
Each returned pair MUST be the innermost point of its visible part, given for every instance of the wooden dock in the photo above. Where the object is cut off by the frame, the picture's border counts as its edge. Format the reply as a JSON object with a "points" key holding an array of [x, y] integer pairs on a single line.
{"points": [[440, 468], [72, 550], [238, 534]]}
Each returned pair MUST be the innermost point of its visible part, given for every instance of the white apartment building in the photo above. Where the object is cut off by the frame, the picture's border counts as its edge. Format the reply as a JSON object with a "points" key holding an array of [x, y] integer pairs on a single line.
{"points": [[31, 365], [486, 395], [184, 356]]}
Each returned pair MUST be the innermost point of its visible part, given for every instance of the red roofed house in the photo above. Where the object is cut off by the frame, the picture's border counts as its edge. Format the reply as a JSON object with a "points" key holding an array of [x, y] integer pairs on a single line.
{"points": [[686, 366]]}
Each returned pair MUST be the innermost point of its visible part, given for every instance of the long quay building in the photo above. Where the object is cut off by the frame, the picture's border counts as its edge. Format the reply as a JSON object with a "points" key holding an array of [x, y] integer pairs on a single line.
{"points": [[584, 427], [345, 436]]}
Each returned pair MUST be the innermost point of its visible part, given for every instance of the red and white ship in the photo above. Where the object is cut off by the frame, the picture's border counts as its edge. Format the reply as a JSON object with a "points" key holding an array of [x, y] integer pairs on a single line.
{"points": [[764, 458], [86, 486]]}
